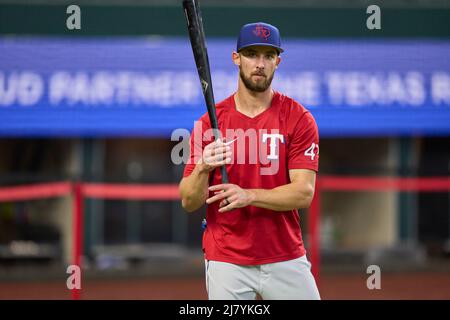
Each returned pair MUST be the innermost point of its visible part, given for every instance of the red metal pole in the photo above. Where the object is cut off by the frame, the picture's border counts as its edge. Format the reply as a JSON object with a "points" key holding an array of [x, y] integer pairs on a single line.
{"points": [[314, 232], [77, 232]]}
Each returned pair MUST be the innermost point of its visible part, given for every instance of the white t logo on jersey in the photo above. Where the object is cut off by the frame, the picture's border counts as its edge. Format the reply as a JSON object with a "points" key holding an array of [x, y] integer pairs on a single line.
{"points": [[273, 144]]}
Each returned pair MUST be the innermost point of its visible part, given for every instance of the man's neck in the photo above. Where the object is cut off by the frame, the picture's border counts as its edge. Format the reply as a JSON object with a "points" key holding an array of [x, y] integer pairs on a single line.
{"points": [[252, 103]]}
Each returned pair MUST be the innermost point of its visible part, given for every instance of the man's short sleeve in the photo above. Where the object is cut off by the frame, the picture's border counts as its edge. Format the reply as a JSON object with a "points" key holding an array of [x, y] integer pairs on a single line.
{"points": [[196, 145], [303, 152]]}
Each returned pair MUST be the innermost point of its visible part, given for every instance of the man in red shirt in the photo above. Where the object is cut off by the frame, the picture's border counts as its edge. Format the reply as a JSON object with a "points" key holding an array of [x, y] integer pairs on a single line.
{"points": [[270, 147]]}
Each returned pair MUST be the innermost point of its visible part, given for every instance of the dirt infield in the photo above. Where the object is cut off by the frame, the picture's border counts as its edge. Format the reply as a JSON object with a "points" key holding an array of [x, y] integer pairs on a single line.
{"points": [[406, 285]]}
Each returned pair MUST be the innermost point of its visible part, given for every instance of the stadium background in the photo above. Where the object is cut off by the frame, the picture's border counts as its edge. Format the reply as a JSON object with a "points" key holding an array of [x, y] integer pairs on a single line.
{"points": [[151, 249]]}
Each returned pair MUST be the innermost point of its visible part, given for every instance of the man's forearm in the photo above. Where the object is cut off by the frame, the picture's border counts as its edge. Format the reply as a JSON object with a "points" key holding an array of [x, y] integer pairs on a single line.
{"points": [[194, 189], [283, 198]]}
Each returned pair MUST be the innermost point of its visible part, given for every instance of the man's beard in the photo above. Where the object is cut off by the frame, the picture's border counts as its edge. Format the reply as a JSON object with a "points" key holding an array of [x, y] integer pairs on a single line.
{"points": [[256, 86]]}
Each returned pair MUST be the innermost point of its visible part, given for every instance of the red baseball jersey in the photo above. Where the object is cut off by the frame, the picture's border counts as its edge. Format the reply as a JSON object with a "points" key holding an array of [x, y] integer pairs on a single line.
{"points": [[282, 137]]}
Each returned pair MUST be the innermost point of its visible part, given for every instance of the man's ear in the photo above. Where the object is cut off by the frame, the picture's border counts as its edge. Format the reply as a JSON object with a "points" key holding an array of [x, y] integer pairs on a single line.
{"points": [[236, 58], [278, 61]]}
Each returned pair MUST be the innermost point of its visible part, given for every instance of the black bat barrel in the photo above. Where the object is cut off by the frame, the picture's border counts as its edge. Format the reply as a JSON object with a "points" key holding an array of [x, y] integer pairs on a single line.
{"points": [[198, 43]]}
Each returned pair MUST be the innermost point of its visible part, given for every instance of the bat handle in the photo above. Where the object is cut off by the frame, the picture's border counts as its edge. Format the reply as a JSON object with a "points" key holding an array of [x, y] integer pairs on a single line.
{"points": [[216, 132], [223, 170]]}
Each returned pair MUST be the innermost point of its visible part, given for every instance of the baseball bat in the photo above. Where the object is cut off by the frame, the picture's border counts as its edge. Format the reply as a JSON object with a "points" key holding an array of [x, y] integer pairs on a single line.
{"points": [[198, 43]]}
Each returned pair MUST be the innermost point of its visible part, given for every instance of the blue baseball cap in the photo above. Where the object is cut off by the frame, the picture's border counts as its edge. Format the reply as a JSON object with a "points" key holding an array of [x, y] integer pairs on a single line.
{"points": [[259, 34]]}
